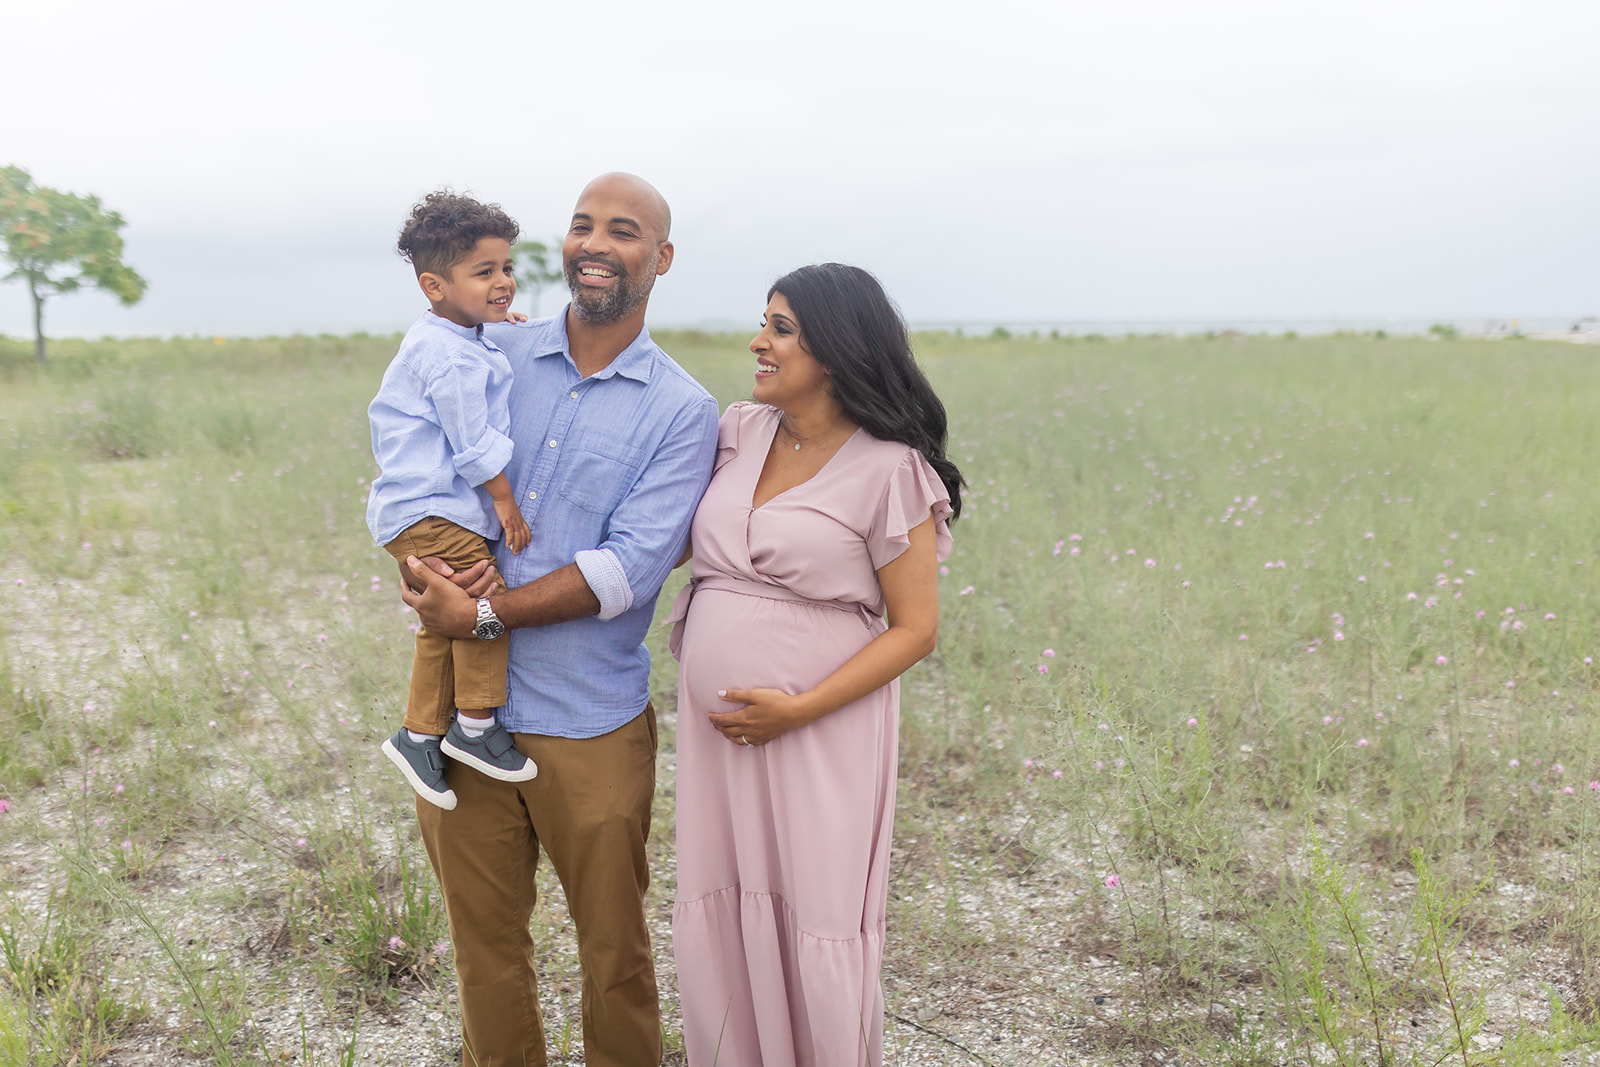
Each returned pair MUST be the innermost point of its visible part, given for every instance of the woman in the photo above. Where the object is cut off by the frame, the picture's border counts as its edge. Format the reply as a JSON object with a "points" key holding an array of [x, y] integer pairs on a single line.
{"points": [[814, 587]]}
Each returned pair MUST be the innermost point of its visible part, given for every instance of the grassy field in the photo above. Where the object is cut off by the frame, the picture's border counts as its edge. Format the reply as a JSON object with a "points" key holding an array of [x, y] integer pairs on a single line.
{"points": [[1261, 729]]}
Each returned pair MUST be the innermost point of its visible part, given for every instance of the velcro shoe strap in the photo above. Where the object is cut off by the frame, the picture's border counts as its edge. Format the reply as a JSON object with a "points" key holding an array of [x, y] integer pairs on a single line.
{"points": [[498, 741]]}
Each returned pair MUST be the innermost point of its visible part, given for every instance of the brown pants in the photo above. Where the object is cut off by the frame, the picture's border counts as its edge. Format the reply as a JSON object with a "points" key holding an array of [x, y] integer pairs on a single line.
{"points": [[590, 811], [446, 674]]}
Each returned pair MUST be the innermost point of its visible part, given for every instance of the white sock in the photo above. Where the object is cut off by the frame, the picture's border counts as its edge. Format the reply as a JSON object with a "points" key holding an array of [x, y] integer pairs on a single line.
{"points": [[419, 738], [473, 727]]}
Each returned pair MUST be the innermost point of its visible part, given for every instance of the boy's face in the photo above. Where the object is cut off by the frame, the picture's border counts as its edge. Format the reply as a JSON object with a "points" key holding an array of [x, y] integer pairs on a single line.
{"points": [[477, 288]]}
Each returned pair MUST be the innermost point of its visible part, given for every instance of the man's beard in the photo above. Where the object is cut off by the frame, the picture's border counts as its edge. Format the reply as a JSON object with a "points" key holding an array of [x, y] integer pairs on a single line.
{"points": [[615, 303]]}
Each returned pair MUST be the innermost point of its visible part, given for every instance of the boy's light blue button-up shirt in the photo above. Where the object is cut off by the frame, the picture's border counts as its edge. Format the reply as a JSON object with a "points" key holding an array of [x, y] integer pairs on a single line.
{"points": [[440, 427], [608, 471]]}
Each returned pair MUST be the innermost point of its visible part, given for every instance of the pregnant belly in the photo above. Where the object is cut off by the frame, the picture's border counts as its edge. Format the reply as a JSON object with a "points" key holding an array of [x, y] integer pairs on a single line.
{"points": [[736, 641]]}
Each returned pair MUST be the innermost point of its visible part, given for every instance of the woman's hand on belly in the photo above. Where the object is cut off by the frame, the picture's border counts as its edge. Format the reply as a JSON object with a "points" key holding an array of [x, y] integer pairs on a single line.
{"points": [[766, 714]]}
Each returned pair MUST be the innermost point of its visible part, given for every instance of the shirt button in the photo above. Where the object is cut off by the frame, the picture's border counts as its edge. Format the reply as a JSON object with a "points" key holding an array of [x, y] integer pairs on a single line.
{"points": [[552, 443], [532, 495], [573, 394]]}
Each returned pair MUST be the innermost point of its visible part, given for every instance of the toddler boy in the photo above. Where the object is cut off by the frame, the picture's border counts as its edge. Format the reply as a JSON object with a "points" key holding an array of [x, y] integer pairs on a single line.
{"points": [[440, 428]]}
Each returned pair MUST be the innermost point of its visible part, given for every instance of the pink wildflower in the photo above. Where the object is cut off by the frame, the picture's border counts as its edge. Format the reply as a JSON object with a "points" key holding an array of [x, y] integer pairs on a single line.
{"points": [[1113, 880]]}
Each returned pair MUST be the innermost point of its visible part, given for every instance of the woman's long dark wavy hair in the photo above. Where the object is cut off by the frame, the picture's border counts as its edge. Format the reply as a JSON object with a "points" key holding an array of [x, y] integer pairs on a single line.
{"points": [[850, 326]]}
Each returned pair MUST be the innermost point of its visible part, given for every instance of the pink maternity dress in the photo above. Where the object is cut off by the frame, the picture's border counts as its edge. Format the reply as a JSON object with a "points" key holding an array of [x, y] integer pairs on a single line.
{"points": [[783, 848]]}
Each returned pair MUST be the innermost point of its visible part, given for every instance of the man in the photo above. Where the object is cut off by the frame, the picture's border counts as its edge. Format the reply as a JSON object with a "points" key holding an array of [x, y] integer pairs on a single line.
{"points": [[613, 448]]}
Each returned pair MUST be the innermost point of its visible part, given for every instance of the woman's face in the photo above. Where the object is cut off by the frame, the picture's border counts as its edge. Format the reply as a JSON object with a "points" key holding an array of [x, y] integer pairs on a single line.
{"points": [[787, 375]]}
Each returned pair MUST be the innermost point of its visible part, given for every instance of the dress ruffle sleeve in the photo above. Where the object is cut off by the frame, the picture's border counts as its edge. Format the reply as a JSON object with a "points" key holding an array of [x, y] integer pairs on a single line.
{"points": [[733, 420], [914, 492]]}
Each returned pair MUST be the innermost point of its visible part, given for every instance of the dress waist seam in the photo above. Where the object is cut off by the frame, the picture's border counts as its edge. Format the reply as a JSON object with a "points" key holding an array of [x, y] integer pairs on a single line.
{"points": [[768, 591]]}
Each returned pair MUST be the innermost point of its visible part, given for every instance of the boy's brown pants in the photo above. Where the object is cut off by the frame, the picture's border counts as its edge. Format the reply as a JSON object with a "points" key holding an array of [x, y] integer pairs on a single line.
{"points": [[446, 674]]}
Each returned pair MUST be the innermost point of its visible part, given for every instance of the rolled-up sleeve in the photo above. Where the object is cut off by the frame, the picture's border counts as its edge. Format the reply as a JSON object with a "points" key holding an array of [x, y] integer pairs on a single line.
{"points": [[607, 580], [459, 396], [650, 527]]}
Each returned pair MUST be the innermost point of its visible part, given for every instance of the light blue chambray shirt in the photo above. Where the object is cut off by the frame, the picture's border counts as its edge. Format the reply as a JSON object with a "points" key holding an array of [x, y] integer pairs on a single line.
{"points": [[440, 427], [608, 471]]}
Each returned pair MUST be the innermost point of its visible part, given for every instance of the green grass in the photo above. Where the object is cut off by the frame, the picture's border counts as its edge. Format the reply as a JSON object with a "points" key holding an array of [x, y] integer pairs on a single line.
{"points": [[1227, 628]]}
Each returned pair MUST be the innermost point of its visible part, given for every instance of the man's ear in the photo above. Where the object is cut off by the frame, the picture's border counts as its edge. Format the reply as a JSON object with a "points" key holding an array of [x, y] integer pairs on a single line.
{"points": [[664, 258], [432, 286]]}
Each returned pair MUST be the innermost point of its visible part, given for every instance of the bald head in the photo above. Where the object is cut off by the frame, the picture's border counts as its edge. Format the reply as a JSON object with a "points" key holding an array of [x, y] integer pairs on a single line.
{"points": [[635, 195]]}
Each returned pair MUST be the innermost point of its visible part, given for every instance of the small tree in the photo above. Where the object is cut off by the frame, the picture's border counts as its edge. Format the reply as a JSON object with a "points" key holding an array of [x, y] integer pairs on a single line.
{"points": [[58, 243], [538, 265]]}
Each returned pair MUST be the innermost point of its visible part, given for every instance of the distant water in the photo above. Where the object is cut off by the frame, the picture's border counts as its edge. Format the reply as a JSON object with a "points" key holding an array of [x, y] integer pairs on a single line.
{"points": [[1589, 325]]}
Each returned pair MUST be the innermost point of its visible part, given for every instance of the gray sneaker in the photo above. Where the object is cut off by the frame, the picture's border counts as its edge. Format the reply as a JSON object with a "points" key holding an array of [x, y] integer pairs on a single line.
{"points": [[423, 767], [491, 752]]}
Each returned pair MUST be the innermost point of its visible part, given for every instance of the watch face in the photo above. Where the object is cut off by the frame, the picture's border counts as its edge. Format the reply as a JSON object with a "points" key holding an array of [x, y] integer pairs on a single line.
{"points": [[488, 627]]}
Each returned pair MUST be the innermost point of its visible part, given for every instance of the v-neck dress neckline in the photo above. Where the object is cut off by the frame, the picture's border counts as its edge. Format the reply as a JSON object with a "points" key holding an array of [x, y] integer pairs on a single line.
{"points": [[772, 437]]}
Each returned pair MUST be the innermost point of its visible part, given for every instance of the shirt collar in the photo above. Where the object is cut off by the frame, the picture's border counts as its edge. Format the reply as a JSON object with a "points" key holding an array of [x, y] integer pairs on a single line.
{"points": [[635, 361], [471, 333]]}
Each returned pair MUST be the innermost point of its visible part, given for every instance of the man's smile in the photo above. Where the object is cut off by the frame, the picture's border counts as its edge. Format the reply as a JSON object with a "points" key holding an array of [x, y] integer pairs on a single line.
{"points": [[596, 273]]}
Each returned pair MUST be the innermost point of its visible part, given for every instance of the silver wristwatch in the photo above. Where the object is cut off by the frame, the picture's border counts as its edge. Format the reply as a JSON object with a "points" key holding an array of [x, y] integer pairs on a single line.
{"points": [[489, 625]]}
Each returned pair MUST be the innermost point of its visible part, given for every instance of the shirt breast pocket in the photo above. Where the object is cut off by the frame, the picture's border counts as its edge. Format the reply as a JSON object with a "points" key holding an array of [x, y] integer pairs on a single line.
{"points": [[596, 475]]}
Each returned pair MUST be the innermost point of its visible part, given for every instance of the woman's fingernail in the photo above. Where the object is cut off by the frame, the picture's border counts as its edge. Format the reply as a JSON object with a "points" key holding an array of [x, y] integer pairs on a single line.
{"points": [[722, 692]]}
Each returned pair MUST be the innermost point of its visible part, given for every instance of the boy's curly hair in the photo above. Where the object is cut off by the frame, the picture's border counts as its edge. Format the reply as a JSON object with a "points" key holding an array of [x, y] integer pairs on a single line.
{"points": [[444, 226]]}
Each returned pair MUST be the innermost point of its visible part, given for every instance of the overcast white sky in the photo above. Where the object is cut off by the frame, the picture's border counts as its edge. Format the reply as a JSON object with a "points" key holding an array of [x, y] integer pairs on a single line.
{"points": [[994, 160]]}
